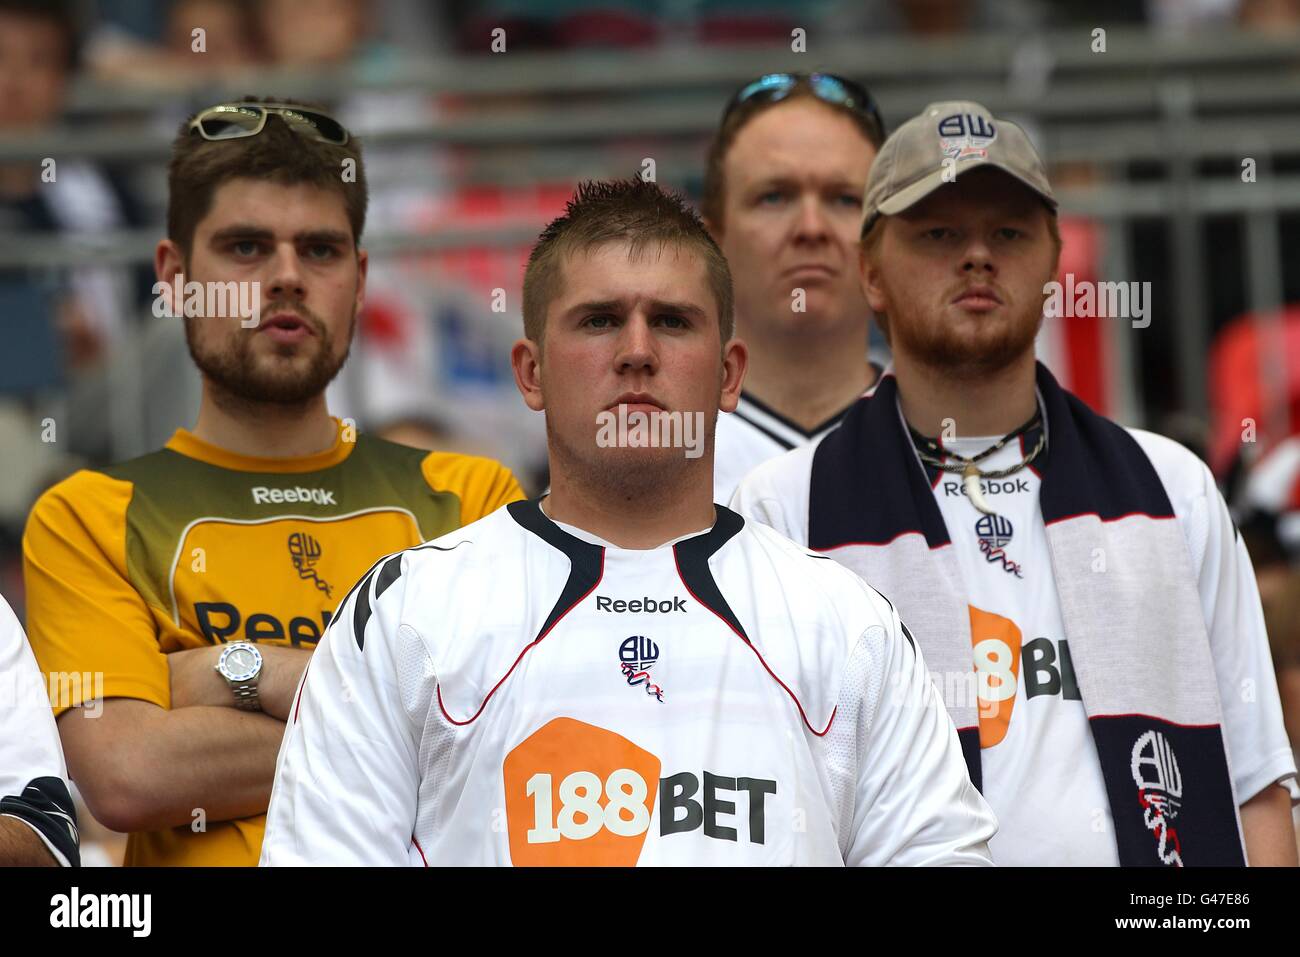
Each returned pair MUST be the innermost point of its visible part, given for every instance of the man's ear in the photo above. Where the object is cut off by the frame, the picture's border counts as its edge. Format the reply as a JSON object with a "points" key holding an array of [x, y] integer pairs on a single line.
{"points": [[870, 279], [363, 267], [168, 264], [526, 361], [735, 361]]}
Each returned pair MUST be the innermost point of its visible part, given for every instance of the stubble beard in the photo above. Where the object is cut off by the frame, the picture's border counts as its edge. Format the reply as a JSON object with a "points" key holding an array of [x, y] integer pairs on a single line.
{"points": [[238, 381], [935, 345]]}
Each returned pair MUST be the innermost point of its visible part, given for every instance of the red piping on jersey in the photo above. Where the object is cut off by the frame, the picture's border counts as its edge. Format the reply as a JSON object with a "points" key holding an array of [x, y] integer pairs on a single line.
{"points": [[1152, 717], [1030, 465], [1154, 518], [420, 849], [298, 703], [532, 644], [933, 548], [750, 644]]}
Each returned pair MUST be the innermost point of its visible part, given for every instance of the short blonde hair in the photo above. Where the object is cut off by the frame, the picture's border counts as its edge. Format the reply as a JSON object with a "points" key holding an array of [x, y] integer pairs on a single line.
{"points": [[632, 211]]}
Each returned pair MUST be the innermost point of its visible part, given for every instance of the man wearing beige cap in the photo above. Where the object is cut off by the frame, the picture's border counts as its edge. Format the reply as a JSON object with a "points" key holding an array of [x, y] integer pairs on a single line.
{"points": [[1086, 607]]}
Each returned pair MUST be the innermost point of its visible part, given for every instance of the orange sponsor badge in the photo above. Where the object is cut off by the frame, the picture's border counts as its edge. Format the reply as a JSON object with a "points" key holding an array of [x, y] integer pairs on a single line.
{"points": [[996, 645], [578, 795]]}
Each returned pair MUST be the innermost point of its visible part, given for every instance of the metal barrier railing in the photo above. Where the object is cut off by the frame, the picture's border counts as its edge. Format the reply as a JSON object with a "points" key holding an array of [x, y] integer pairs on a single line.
{"points": [[1171, 102], [887, 62]]}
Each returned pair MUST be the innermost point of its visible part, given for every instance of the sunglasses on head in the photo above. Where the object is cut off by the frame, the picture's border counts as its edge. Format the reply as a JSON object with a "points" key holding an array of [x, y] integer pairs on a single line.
{"points": [[230, 121], [773, 87]]}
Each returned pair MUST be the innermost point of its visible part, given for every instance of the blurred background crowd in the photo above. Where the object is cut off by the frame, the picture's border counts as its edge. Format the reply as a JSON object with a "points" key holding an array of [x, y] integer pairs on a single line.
{"points": [[1173, 137]]}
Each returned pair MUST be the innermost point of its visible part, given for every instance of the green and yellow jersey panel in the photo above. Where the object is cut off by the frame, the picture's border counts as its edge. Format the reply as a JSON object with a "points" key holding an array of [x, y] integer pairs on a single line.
{"points": [[193, 545]]}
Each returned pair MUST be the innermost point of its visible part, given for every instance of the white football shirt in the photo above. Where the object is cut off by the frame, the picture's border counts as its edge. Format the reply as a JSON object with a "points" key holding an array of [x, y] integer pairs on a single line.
{"points": [[33, 777], [520, 692], [1040, 768], [1041, 773], [756, 433]]}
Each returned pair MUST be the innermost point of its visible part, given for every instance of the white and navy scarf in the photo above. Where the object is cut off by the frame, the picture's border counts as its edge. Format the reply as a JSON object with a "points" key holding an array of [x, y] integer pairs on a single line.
{"points": [[1127, 593]]}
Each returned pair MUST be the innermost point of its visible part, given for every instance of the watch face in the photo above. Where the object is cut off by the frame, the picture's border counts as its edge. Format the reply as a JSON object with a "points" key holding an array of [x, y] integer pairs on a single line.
{"points": [[240, 664]]}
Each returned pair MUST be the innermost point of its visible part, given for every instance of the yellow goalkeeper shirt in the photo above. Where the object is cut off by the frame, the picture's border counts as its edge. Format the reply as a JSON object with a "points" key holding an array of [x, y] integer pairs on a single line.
{"points": [[194, 545]]}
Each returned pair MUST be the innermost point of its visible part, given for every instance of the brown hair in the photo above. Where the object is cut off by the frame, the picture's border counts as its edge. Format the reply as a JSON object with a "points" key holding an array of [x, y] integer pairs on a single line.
{"points": [[712, 201], [198, 167], [631, 211]]}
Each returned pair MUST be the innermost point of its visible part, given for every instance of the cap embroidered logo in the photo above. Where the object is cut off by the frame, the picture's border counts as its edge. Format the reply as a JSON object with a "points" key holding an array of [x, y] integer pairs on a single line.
{"points": [[966, 134]]}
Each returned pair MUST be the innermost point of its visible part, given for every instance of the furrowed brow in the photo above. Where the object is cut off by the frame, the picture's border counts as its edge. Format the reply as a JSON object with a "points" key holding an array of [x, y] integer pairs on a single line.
{"points": [[330, 236], [603, 305], [242, 231], [249, 231], [680, 308], [774, 182]]}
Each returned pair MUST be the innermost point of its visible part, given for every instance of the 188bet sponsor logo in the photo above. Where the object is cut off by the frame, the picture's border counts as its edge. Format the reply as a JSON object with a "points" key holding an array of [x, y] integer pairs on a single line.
{"points": [[580, 795]]}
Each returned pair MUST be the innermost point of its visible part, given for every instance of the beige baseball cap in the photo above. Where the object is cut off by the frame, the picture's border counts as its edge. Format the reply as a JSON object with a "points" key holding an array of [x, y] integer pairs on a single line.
{"points": [[943, 141]]}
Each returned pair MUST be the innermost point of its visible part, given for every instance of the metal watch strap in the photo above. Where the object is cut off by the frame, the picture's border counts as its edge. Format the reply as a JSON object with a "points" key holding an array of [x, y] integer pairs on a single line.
{"points": [[245, 690], [246, 696]]}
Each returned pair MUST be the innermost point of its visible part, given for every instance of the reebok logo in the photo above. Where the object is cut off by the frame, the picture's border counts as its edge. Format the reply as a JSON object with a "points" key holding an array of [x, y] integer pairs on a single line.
{"points": [[278, 496], [650, 605], [989, 487]]}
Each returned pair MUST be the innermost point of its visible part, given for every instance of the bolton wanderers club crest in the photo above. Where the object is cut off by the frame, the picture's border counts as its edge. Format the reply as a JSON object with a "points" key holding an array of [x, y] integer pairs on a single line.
{"points": [[1160, 792], [636, 655], [305, 552], [994, 534], [962, 135]]}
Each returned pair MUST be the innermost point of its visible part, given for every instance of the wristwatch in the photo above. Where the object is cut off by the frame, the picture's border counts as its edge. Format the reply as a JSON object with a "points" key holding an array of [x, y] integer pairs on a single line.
{"points": [[241, 664]]}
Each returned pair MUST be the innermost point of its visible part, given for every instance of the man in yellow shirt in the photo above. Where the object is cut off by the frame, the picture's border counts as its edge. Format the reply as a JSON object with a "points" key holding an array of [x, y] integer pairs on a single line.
{"points": [[197, 579]]}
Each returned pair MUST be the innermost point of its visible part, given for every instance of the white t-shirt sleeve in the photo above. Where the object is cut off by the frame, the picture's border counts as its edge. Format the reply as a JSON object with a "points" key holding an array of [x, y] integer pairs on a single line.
{"points": [[776, 494], [33, 776], [348, 775], [915, 804], [1258, 749]]}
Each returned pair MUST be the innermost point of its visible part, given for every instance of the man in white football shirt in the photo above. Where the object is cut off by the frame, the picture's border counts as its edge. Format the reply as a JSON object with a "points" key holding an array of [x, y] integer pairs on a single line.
{"points": [[783, 198], [38, 823], [621, 673], [1079, 590]]}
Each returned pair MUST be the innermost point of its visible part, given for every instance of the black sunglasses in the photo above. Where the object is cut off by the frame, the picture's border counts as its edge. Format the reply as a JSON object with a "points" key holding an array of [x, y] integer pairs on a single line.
{"points": [[773, 87], [229, 121]]}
